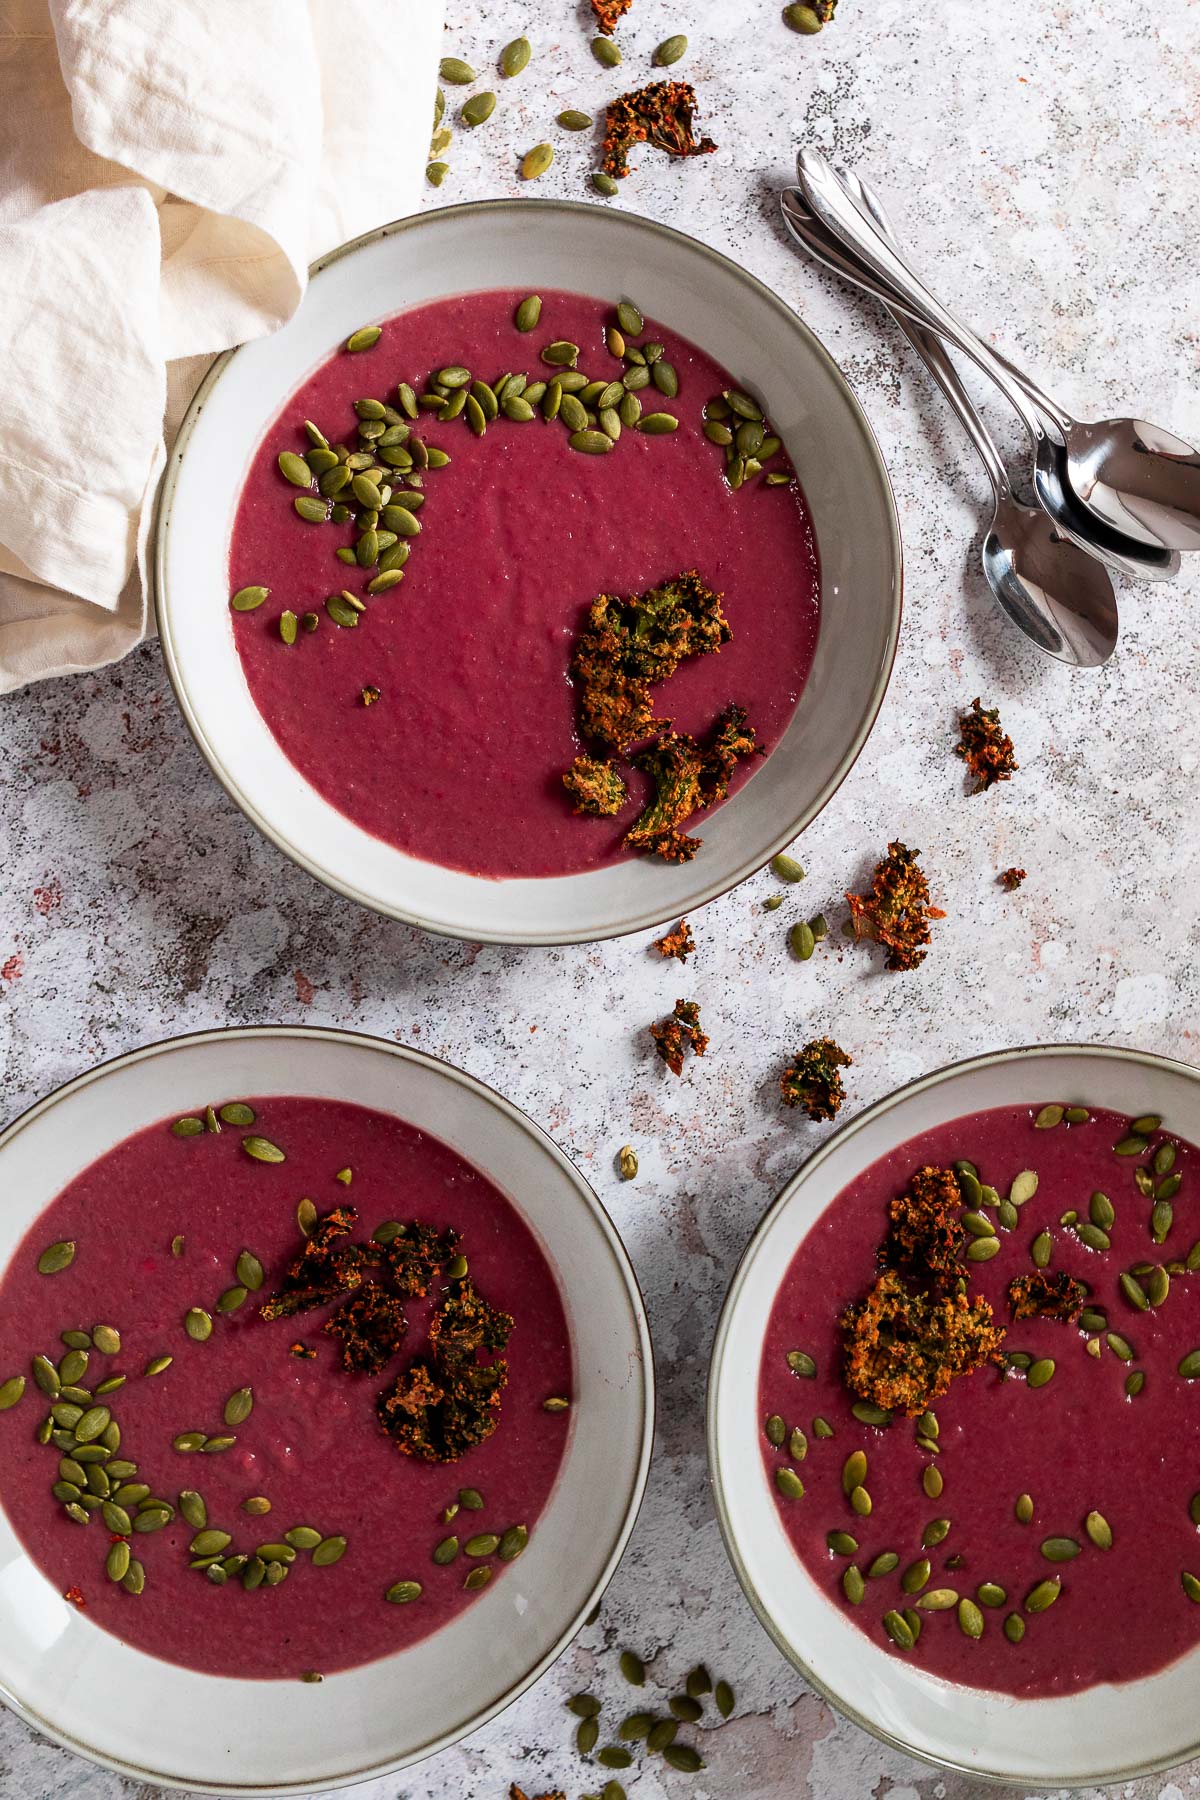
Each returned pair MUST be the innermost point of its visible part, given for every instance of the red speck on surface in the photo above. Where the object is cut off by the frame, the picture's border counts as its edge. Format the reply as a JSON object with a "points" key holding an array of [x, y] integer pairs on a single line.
{"points": [[13, 969], [304, 988], [75, 1596], [49, 898]]}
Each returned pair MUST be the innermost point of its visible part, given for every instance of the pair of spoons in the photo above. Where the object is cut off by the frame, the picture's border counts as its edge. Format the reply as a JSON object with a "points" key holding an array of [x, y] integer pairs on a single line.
{"points": [[1121, 492]]}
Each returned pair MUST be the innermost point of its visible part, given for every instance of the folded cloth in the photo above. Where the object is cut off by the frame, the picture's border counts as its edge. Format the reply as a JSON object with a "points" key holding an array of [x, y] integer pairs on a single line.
{"points": [[168, 169]]}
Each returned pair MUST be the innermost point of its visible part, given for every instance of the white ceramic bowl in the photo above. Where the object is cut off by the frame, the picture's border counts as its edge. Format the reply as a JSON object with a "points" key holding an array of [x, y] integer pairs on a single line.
{"points": [[532, 244], [156, 1722], [1104, 1735]]}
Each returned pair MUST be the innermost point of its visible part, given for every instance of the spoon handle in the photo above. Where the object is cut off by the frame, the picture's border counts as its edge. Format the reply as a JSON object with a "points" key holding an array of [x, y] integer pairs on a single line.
{"points": [[937, 360], [859, 232]]}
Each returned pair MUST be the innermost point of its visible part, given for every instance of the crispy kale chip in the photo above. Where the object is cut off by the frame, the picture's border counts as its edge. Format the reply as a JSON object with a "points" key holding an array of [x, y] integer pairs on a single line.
{"points": [[597, 787], [674, 1035], [369, 1329], [416, 1254], [1045, 1296], [687, 778], [678, 943], [985, 747], [326, 1267], [609, 11], [660, 115], [903, 1348], [926, 1234], [814, 1081], [443, 1405], [627, 645], [897, 912]]}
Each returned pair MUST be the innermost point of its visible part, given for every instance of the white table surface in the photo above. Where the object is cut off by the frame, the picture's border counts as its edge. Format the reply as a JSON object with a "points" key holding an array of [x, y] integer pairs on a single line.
{"points": [[1045, 163]]}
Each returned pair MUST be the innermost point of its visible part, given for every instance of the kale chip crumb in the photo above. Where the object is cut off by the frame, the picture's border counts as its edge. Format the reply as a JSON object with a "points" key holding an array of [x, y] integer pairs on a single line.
{"points": [[897, 912], [674, 1035], [814, 1081], [985, 747]]}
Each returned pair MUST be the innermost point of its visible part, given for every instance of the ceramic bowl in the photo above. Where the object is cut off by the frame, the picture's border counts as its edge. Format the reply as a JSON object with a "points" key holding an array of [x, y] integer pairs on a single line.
{"points": [[536, 244], [1103, 1735], [159, 1723]]}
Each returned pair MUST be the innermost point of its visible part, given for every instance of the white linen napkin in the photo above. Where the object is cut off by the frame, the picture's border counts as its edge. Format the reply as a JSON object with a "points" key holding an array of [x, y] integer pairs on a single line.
{"points": [[168, 169]]}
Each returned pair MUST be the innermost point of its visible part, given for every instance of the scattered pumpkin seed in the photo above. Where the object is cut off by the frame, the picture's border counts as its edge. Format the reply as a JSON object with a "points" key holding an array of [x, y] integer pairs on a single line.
{"points": [[515, 57], [1060, 1549], [671, 50], [603, 184], [535, 162], [246, 599], [932, 1481], [970, 1619], [11, 1391], [262, 1150], [853, 1584], [478, 109], [1040, 1372], [723, 1695], [456, 72], [330, 1550], [1048, 1117], [56, 1258], [239, 1406], [402, 1592], [1024, 1187], [1042, 1595], [197, 1324]]}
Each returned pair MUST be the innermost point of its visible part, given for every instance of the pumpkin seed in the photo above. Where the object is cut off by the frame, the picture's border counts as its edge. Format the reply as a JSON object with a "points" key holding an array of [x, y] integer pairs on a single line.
{"points": [[116, 1564], [869, 1414], [478, 1578], [821, 1427], [916, 1576], [1162, 1216], [801, 938], [56, 1258], [91, 1423], [584, 1706], [990, 1593], [802, 18], [535, 162], [188, 1441], [970, 1619], [1102, 1212], [330, 1550], [1060, 1549], [932, 1481], [938, 1600], [606, 53], [935, 1532], [797, 1444], [478, 109], [1092, 1236], [513, 1542], [157, 1364], [671, 50], [1040, 1372], [1132, 1291], [1048, 1117], [603, 184], [256, 1505], [854, 1471], [592, 443], [860, 1502], [247, 600], [983, 1249], [883, 1564], [853, 1584], [239, 1406], [515, 56], [193, 1509], [471, 1499], [455, 71], [899, 1630], [1024, 1187], [723, 1695], [402, 1592], [151, 1518], [1120, 1346], [197, 1324], [293, 468], [1040, 1249], [1043, 1595], [262, 1150], [11, 1391], [1133, 1145], [789, 1484], [842, 1544]]}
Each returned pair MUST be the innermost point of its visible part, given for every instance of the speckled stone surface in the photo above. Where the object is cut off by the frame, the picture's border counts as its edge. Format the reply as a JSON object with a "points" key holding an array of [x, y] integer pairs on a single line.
{"points": [[1045, 162]]}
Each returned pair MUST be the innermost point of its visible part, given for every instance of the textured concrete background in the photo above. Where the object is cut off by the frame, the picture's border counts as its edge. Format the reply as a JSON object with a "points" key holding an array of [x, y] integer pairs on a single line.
{"points": [[1045, 162]]}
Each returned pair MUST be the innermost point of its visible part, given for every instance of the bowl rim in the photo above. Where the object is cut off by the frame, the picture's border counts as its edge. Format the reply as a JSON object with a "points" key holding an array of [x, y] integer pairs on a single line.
{"points": [[877, 1109], [344, 884], [637, 1489]]}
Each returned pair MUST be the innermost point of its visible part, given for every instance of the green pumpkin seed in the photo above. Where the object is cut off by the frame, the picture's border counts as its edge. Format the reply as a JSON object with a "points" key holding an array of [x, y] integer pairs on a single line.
{"points": [[478, 109], [970, 1619], [797, 1444], [665, 379], [188, 1441], [1024, 1187], [983, 1249], [72, 1367], [239, 1406], [775, 1430], [330, 1550], [789, 1484], [1092, 1236], [515, 56], [990, 1593], [1132, 1292], [821, 1427], [1040, 1249], [1189, 1367], [209, 1543], [513, 1542], [591, 443], [899, 1630], [1043, 1595], [246, 599], [800, 937], [1014, 1628], [256, 1505], [1060, 1549], [46, 1376], [1120, 1346], [1049, 1117], [938, 1600], [853, 1584], [854, 1471], [1191, 1586], [1040, 1372], [916, 1576], [786, 868], [456, 72], [91, 1424], [603, 184], [535, 162], [402, 1592], [670, 50], [1161, 1218], [657, 424], [935, 1532], [1164, 1158], [56, 1258], [1102, 1212], [1024, 1508], [1158, 1285], [152, 1518], [293, 468], [607, 54], [11, 1391], [1135, 1381], [932, 1481], [860, 1502], [197, 1324], [869, 1414], [1130, 1146], [193, 1509], [842, 1544], [584, 1706], [883, 1564], [116, 1564], [1099, 1530], [802, 18]]}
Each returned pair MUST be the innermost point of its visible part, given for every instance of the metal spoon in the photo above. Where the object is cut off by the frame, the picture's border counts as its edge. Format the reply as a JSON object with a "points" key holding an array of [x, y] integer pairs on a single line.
{"points": [[1060, 596], [1074, 522], [1161, 488]]}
